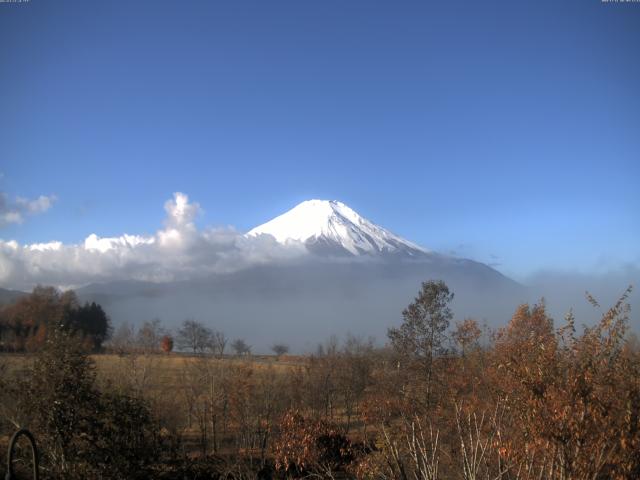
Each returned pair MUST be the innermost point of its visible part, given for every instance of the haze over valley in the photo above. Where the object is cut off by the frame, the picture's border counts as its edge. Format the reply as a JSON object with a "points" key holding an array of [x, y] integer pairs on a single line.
{"points": [[317, 270]]}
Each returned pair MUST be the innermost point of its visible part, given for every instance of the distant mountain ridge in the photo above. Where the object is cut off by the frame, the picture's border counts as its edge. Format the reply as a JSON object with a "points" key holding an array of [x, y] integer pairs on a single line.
{"points": [[10, 296]]}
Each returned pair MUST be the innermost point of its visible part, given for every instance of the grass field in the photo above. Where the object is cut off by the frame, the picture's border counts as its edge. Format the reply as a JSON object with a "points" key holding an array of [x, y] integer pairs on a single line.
{"points": [[178, 386]]}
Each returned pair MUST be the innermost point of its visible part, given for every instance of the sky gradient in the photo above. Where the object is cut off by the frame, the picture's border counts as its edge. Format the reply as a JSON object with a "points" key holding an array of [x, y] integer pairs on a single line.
{"points": [[507, 132]]}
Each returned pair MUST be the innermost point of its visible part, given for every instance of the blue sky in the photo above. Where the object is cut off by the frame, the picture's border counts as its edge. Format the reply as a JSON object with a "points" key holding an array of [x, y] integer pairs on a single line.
{"points": [[508, 132]]}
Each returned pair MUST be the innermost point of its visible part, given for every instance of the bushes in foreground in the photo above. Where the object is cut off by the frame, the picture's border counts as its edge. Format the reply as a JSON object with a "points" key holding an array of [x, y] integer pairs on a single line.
{"points": [[533, 401], [82, 432]]}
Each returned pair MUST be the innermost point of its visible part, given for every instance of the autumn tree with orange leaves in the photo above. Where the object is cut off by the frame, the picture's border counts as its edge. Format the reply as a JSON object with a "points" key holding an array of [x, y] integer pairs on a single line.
{"points": [[574, 399], [166, 344]]}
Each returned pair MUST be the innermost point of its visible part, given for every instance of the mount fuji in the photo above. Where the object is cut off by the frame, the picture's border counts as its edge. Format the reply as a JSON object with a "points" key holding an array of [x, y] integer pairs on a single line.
{"points": [[356, 277], [331, 227]]}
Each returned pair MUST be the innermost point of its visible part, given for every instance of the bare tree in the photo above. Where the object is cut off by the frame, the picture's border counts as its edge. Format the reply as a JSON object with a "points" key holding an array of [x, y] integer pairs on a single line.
{"points": [[149, 335], [218, 343], [123, 339], [241, 347], [280, 349], [354, 373], [422, 334], [194, 336]]}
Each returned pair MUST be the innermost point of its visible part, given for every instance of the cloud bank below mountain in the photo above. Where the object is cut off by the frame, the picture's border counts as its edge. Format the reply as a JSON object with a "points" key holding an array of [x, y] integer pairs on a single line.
{"points": [[179, 251]]}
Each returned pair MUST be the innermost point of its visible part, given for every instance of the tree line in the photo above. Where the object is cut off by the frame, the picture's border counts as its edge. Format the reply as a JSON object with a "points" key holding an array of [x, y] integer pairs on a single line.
{"points": [[192, 336], [26, 324]]}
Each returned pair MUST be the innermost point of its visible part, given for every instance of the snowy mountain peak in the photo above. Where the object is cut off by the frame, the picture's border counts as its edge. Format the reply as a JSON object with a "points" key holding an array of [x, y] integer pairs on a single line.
{"points": [[329, 226]]}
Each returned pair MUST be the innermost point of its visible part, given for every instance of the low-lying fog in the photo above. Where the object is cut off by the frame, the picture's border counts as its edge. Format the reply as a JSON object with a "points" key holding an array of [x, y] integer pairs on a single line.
{"points": [[303, 305]]}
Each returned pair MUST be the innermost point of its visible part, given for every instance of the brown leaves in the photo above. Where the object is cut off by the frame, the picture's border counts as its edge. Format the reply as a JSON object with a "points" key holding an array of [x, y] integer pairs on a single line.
{"points": [[467, 334], [569, 393], [311, 445]]}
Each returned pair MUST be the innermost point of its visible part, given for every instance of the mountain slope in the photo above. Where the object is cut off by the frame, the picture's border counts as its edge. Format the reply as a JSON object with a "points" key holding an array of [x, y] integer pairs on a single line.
{"points": [[331, 227], [10, 296]]}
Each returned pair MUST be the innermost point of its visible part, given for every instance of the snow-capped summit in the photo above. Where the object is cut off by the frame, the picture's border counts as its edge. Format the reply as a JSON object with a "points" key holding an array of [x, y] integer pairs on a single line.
{"points": [[329, 226]]}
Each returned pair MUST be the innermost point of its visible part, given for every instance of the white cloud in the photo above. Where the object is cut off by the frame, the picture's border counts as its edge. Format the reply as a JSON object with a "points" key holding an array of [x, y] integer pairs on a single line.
{"points": [[102, 245], [179, 251], [180, 213], [15, 211]]}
